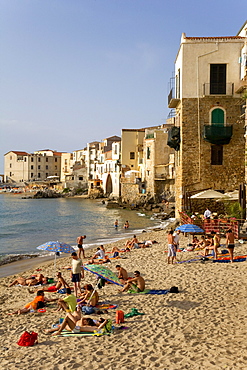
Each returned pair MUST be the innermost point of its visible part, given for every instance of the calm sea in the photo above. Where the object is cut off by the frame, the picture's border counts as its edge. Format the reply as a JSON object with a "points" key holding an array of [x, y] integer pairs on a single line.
{"points": [[28, 223]]}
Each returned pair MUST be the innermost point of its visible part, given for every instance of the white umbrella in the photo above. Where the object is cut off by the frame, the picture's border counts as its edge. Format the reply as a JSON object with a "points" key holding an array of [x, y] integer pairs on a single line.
{"points": [[208, 194]]}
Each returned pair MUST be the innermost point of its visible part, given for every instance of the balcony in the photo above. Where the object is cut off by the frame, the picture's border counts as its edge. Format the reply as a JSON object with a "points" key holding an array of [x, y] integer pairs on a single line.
{"points": [[218, 135], [218, 89], [172, 101]]}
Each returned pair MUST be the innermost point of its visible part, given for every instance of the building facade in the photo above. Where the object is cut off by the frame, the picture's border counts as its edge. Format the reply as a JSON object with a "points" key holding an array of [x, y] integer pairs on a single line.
{"points": [[209, 131], [38, 166]]}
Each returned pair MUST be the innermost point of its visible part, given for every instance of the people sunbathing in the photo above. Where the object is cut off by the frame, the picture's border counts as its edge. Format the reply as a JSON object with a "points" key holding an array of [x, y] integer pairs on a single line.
{"points": [[61, 283], [99, 257], [38, 279], [77, 324], [38, 302]]}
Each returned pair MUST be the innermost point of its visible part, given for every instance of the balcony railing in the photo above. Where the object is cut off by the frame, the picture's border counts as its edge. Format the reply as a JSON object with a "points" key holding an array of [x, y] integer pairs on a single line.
{"points": [[218, 89], [219, 135], [172, 101]]}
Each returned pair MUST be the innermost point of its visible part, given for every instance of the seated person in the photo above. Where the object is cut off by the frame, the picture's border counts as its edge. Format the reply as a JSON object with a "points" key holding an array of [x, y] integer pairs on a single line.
{"points": [[126, 225], [77, 324], [99, 255], [115, 251], [89, 296], [194, 242], [38, 302], [137, 283], [122, 274], [68, 303], [201, 243], [60, 283], [132, 244]]}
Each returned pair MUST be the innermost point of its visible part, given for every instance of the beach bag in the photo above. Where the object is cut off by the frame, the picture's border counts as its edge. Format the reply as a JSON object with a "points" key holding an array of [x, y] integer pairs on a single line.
{"points": [[174, 289], [28, 339], [87, 310], [119, 316]]}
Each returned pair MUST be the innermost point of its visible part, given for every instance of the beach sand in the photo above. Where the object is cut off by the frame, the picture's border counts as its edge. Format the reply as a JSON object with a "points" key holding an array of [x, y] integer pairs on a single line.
{"points": [[204, 326]]}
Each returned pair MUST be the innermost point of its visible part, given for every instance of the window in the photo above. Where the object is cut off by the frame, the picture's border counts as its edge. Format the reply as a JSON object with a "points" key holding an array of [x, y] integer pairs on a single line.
{"points": [[10, 157], [10, 165], [80, 178], [65, 161], [216, 154], [39, 174], [115, 149], [31, 174], [32, 167], [38, 167], [132, 155], [46, 167], [38, 159], [31, 159], [217, 79], [10, 174], [46, 175], [46, 159], [55, 159], [55, 167], [148, 152]]}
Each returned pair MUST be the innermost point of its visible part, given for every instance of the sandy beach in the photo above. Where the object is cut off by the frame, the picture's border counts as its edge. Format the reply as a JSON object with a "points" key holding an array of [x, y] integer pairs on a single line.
{"points": [[204, 326]]}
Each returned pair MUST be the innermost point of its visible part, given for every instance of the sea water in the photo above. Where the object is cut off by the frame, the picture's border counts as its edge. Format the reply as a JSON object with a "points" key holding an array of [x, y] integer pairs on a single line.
{"points": [[27, 223]]}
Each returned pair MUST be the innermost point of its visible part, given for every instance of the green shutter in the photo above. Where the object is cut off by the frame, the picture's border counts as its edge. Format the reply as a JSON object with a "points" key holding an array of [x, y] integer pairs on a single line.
{"points": [[217, 117]]}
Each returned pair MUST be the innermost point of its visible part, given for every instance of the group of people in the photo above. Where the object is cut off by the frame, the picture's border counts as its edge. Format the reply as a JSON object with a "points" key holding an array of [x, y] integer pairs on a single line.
{"points": [[126, 224], [209, 243]]}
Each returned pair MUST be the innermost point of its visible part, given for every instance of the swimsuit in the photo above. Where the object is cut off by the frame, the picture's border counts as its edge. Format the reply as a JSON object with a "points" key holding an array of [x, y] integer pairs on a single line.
{"points": [[231, 246], [171, 251]]}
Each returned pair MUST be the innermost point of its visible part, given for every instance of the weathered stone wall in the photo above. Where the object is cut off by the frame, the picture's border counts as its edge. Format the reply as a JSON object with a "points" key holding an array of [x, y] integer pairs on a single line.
{"points": [[130, 193], [194, 170]]}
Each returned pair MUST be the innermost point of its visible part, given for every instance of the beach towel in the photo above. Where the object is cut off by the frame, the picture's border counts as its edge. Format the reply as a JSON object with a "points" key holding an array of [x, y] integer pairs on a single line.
{"points": [[228, 260], [106, 306], [133, 312]]}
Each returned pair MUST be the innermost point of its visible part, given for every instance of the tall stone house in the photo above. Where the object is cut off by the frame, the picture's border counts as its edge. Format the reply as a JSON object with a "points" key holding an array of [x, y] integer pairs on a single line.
{"points": [[208, 135], [20, 166], [73, 169]]}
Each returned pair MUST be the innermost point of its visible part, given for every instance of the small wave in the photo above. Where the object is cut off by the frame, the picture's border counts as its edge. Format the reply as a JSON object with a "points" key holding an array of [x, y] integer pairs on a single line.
{"points": [[15, 257]]}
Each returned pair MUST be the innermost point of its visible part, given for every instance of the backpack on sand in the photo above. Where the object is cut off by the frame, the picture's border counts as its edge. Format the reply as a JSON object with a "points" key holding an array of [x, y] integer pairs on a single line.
{"points": [[28, 339]]}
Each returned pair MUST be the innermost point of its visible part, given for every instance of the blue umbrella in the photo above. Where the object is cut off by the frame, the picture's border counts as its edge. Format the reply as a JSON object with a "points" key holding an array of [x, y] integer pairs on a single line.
{"points": [[190, 228], [56, 247]]}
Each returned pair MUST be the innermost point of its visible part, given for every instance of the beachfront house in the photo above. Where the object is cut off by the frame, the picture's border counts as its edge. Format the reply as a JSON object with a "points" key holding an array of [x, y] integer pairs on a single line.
{"points": [[206, 107], [20, 166]]}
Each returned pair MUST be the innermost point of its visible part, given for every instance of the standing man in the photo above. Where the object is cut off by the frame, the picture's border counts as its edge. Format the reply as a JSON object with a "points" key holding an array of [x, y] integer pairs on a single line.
{"points": [[230, 239], [77, 272], [176, 237], [80, 247], [207, 214], [171, 253]]}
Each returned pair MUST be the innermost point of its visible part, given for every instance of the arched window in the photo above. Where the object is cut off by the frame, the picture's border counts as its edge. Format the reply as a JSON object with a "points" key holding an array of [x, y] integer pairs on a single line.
{"points": [[217, 117]]}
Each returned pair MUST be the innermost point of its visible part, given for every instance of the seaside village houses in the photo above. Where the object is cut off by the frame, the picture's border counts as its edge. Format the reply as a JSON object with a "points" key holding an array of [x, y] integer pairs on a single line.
{"points": [[201, 145]]}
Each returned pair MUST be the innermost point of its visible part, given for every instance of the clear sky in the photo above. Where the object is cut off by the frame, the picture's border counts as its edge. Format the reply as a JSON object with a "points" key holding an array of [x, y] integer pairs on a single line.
{"points": [[76, 71]]}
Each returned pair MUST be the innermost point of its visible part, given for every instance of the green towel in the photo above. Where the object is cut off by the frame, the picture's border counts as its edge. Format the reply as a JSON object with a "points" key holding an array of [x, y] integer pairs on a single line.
{"points": [[133, 312]]}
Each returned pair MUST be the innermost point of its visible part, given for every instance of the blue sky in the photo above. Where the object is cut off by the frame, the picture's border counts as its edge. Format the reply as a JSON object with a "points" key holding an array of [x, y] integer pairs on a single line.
{"points": [[75, 71]]}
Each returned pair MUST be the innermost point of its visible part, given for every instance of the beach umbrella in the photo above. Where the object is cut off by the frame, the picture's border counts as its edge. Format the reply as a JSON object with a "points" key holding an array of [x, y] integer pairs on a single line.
{"points": [[104, 273], [208, 194], [190, 228], [56, 247]]}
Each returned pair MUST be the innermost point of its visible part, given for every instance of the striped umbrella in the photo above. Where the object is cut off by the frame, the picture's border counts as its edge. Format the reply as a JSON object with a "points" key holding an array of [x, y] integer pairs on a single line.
{"points": [[56, 247], [190, 228]]}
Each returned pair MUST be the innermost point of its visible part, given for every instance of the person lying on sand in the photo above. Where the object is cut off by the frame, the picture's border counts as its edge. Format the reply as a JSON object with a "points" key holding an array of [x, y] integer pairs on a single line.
{"points": [[137, 283], [133, 243], [76, 324], [87, 297], [31, 281], [61, 283], [38, 302], [122, 274], [99, 257]]}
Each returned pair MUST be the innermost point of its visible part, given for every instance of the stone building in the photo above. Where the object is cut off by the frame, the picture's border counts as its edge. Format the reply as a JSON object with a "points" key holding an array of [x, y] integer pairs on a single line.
{"points": [[22, 166], [209, 132]]}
